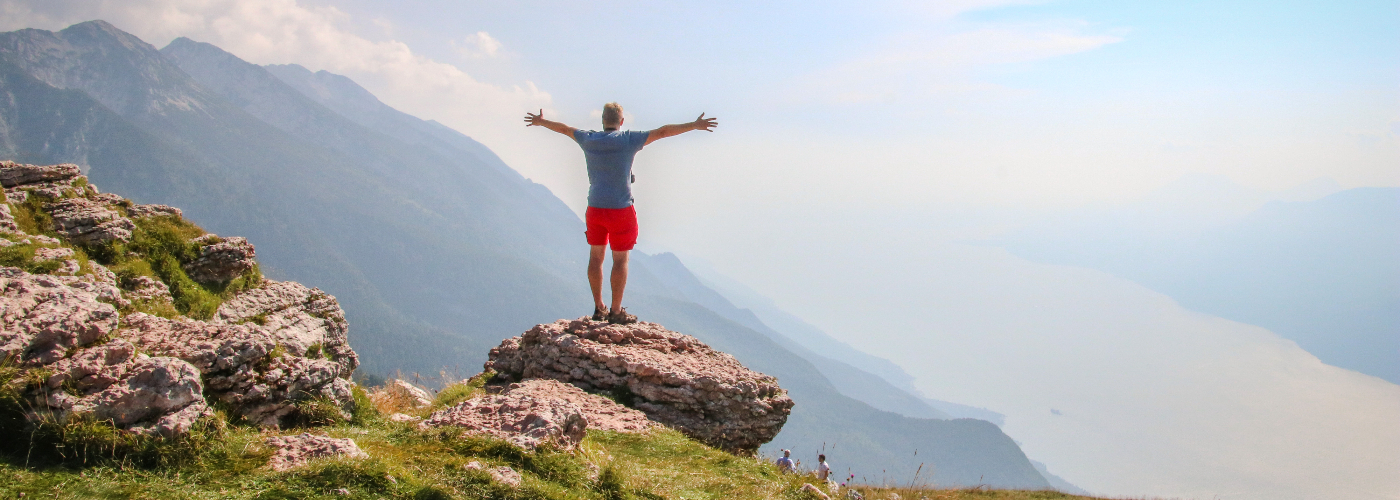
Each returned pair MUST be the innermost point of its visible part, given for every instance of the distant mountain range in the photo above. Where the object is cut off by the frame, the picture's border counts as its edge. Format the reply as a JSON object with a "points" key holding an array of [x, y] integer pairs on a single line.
{"points": [[1323, 271], [436, 249]]}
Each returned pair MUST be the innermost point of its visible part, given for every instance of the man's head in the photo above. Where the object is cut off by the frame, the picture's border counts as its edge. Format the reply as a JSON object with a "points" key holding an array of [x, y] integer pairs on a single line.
{"points": [[612, 115], [821, 458], [787, 453]]}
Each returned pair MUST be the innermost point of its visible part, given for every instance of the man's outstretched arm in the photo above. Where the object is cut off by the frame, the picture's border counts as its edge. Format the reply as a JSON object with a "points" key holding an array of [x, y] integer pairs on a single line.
{"points": [[701, 123], [532, 120]]}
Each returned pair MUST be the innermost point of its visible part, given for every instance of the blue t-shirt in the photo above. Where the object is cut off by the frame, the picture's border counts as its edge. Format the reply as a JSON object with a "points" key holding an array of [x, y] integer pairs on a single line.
{"points": [[609, 156]]}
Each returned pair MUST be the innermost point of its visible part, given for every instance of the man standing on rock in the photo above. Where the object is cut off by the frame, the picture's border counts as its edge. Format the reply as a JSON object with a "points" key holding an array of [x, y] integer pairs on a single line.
{"points": [[611, 218]]}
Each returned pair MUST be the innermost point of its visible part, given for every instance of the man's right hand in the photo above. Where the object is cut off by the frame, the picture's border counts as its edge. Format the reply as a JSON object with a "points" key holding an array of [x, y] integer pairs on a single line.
{"points": [[532, 120]]}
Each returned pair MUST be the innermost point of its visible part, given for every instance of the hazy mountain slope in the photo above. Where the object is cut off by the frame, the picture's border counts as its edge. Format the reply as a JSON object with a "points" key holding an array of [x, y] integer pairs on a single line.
{"points": [[1324, 273], [965, 451]]}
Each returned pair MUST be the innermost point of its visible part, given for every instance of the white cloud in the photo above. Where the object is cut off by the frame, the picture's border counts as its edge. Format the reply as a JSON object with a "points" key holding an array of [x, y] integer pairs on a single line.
{"points": [[939, 63], [478, 45]]}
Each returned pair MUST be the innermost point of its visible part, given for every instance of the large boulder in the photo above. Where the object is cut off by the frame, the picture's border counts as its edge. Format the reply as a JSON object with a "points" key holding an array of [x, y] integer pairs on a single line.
{"points": [[674, 378]]}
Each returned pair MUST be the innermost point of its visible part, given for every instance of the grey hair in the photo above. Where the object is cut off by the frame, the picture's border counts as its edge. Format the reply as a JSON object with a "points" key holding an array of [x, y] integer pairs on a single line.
{"points": [[612, 114]]}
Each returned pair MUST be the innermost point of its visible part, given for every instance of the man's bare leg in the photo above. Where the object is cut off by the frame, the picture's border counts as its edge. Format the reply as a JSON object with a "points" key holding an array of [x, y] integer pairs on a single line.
{"points": [[619, 278], [595, 275]]}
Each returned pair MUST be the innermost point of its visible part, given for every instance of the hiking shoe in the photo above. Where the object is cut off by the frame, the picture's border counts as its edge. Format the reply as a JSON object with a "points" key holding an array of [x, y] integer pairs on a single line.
{"points": [[621, 317], [600, 314]]}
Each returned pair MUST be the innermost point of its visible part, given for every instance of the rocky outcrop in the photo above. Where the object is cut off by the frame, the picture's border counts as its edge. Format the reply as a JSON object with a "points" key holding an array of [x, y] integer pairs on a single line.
{"points": [[306, 321], [295, 451], [241, 365], [522, 418], [221, 259], [15, 174], [265, 351], [48, 325], [674, 378], [85, 221]]}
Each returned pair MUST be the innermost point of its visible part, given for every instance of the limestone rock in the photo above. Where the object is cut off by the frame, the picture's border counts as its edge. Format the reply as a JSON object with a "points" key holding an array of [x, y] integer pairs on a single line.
{"points": [[150, 388], [521, 418], [402, 395], [136, 211], [296, 451], [14, 174], [81, 220], [42, 319], [101, 281], [502, 474], [674, 378], [602, 413], [307, 321], [7, 220], [147, 289], [221, 259], [49, 324], [240, 365], [42, 253]]}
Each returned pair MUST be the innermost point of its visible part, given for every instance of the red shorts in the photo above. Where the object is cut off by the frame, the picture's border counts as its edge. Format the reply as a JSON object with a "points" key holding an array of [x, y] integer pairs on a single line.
{"points": [[618, 225]]}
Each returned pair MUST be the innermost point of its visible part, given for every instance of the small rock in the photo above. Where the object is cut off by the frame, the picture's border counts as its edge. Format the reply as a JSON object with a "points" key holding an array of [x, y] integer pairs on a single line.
{"points": [[400, 417], [342, 492], [400, 395], [42, 254], [7, 220], [296, 451], [503, 474], [227, 259], [148, 289], [153, 211], [81, 220], [808, 488]]}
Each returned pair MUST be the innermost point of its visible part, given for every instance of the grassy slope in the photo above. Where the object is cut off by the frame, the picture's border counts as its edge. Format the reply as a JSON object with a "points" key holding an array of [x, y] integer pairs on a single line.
{"points": [[407, 463]]}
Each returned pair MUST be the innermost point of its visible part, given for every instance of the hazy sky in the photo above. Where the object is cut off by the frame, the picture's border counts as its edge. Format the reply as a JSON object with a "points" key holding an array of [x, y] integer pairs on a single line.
{"points": [[860, 142]]}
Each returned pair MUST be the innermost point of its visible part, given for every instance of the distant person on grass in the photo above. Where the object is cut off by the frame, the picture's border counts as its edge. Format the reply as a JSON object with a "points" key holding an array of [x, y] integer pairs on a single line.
{"points": [[785, 463], [611, 218]]}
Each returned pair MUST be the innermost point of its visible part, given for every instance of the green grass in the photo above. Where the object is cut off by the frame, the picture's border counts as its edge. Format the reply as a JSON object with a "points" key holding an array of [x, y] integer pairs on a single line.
{"points": [[75, 460]]}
